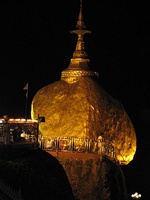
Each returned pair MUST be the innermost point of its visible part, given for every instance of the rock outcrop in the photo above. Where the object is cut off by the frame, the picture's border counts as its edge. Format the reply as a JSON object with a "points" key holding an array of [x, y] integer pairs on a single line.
{"points": [[32, 174]]}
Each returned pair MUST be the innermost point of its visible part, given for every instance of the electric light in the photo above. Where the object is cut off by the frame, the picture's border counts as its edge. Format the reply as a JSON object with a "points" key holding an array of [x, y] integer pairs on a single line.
{"points": [[136, 196]]}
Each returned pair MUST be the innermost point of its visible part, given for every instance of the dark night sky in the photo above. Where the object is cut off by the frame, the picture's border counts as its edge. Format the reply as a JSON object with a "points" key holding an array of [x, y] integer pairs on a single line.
{"points": [[35, 46]]}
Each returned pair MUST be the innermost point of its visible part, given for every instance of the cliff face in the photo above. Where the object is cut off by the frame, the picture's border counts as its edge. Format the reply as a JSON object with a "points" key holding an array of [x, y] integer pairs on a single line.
{"points": [[113, 185], [35, 174], [94, 177]]}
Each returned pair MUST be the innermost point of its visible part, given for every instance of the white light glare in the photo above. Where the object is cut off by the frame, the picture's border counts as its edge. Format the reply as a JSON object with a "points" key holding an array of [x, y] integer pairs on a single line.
{"points": [[136, 195]]}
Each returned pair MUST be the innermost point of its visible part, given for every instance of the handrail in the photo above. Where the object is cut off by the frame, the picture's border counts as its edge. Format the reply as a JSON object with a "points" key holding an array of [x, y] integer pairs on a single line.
{"points": [[79, 145]]}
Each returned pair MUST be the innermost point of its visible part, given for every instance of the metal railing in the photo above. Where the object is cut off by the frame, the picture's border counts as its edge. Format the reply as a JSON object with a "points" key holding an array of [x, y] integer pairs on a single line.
{"points": [[78, 145]]}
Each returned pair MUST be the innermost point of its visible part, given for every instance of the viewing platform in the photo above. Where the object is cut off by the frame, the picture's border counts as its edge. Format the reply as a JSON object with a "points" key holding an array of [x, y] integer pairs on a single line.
{"points": [[21, 133]]}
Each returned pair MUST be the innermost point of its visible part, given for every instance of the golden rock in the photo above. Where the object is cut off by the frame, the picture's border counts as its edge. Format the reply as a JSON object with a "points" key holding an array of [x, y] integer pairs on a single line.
{"points": [[85, 110]]}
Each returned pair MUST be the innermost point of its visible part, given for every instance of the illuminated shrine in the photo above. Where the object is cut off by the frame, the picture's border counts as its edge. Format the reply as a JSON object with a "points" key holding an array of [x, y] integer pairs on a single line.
{"points": [[82, 121]]}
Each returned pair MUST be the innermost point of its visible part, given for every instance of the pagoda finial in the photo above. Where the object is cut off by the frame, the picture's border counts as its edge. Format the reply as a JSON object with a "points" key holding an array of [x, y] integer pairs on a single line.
{"points": [[80, 23], [79, 64], [80, 31]]}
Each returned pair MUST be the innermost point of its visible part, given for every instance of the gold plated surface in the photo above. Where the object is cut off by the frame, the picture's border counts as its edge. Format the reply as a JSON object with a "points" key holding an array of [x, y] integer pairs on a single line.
{"points": [[84, 110]]}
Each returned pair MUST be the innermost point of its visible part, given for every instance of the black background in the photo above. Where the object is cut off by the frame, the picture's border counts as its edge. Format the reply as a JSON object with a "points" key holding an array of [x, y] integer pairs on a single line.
{"points": [[36, 45]]}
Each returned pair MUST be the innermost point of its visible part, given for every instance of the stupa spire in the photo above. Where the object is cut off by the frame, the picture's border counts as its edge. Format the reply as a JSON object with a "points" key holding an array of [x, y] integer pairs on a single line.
{"points": [[80, 31], [80, 22], [79, 64]]}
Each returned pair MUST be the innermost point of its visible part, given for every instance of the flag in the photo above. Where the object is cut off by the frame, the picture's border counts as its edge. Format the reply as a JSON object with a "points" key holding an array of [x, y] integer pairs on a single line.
{"points": [[26, 87]]}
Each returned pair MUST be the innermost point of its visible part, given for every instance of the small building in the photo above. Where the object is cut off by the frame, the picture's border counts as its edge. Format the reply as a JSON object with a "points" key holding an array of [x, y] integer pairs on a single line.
{"points": [[19, 132]]}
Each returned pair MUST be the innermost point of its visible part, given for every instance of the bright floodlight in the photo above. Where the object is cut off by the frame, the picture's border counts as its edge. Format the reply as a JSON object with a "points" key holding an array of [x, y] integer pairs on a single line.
{"points": [[136, 195]]}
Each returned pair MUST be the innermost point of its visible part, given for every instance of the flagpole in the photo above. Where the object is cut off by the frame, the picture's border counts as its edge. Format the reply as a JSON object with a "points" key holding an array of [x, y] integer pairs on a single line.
{"points": [[26, 106]]}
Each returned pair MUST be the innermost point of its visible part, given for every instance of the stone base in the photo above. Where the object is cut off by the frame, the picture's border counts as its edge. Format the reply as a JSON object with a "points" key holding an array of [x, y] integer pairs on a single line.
{"points": [[92, 177]]}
